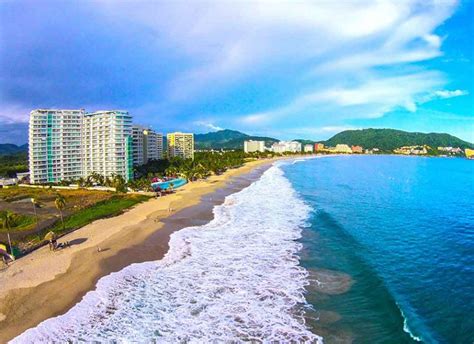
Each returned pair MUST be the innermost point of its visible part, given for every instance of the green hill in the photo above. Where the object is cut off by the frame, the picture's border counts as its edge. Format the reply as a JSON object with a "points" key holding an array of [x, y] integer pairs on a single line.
{"points": [[389, 139], [227, 139], [8, 148]]}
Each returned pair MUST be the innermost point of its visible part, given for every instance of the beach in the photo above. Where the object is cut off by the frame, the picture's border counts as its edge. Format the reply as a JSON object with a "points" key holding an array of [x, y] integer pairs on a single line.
{"points": [[45, 284]]}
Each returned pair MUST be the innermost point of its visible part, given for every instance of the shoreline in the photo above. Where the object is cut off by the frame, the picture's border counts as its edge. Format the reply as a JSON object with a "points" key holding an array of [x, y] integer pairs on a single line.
{"points": [[46, 284]]}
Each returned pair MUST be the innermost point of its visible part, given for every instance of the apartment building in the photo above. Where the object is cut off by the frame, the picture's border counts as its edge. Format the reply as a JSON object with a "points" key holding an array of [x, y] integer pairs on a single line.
{"points": [[180, 145], [254, 146], [54, 138], [107, 144], [70, 144], [308, 148], [147, 145]]}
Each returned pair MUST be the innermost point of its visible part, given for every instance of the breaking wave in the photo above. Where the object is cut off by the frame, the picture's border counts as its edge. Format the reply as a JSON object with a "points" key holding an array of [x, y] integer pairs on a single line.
{"points": [[234, 279]]}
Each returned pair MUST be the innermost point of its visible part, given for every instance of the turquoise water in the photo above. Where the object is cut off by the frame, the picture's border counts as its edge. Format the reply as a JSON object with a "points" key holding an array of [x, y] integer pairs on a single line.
{"points": [[165, 185], [392, 241]]}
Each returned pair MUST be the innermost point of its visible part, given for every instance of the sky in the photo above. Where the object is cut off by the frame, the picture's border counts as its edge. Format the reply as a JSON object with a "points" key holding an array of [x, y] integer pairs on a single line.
{"points": [[299, 69]]}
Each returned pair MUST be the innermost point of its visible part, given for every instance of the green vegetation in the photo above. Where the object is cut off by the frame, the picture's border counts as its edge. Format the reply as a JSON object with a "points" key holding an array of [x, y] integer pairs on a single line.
{"points": [[203, 165], [389, 139], [16, 222], [11, 164], [227, 139], [111, 207], [59, 210]]}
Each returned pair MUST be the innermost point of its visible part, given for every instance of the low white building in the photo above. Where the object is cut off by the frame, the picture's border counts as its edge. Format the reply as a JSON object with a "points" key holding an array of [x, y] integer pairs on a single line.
{"points": [[286, 146], [8, 181], [308, 148], [21, 176], [254, 146]]}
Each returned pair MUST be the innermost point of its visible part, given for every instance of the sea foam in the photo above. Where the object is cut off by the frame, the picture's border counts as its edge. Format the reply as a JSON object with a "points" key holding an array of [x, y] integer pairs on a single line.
{"points": [[234, 279]]}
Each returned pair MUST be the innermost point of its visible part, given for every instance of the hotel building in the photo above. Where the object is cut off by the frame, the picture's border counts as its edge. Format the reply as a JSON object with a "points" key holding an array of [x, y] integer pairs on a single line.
{"points": [[107, 144], [54, 138], [254, 146], [308, 148], [180, 145], [70, 144], [286, 146], [147, 145]]}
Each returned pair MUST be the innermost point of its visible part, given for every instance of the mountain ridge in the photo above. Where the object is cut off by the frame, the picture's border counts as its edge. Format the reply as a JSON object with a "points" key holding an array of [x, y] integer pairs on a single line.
{"points": [[384, 139], [10, 148], [390, 139]]}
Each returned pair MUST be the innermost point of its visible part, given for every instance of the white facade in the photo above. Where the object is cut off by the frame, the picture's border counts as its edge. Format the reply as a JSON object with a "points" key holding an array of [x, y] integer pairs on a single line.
{"points": [[54, 138], [254, 146], [70, 144], [107, 144], [308, 148], [147, 145], [286, 146]]}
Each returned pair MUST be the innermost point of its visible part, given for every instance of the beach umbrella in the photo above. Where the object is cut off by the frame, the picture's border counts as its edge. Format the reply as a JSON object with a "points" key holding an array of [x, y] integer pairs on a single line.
{"points": [[50, 236]]}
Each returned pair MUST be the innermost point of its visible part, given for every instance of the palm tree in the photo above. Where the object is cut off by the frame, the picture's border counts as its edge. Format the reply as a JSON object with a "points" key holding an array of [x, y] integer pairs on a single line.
{"points": [[60, 203], [35, 203], [7, 222]]}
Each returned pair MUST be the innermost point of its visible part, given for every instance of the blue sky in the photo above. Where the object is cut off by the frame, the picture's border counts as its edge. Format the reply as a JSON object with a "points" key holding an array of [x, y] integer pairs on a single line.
{"points": [[305, 69]]}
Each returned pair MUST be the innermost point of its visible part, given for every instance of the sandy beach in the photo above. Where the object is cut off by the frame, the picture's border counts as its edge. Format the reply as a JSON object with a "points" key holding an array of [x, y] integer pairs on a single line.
{"points": [[45, 284]]}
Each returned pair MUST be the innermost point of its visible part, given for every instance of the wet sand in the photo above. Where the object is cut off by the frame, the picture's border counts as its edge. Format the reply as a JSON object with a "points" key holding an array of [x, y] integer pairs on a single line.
{"points": [[46, 284]]}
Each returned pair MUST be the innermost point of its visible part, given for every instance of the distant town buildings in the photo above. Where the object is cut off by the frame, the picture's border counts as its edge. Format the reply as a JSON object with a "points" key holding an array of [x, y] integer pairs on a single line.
{"points": [[147, 145], [254, 146], [318, 147], [70, 144], [450, 150], [372, 151], [286, 146], [357, 149], [180, 145], [308, 148], [412, 150], [342, 148], [469, 153]]}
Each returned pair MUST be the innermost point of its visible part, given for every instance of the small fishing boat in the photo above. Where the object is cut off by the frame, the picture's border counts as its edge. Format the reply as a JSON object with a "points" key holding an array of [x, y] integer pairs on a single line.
{"points": [[165, 185]]}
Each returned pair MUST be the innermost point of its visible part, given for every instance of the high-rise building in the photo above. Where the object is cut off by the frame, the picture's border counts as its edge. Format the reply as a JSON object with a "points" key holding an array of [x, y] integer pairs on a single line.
{"points": [[254, 146], [55, 145], [107, 144], [154, 145], [69, 144], [147, 145], [180, 145]]}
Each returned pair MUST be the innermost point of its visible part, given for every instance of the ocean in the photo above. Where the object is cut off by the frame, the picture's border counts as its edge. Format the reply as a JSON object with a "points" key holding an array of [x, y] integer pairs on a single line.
{"points": [[363, 249], [394, 238]]}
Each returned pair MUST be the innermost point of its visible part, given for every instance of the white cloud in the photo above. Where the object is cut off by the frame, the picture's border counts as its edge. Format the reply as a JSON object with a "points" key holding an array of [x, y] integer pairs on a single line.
{"points": [[229, 41], [327, 54], [449, 94], [367, 99], [10, 114], [208, 125]]}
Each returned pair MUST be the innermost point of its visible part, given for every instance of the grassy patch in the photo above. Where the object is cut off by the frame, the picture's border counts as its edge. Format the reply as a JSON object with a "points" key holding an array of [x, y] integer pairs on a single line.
{"points": [[20, 222], [107, 208]]}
